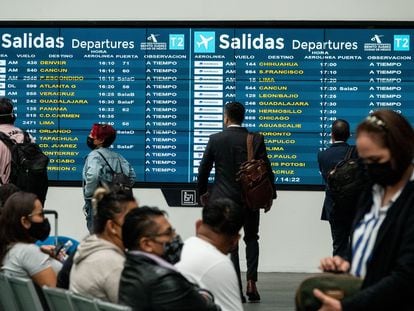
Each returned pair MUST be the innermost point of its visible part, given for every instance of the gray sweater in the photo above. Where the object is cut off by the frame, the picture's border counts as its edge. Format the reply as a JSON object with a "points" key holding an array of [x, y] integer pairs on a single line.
{"points": [[97, 268]]}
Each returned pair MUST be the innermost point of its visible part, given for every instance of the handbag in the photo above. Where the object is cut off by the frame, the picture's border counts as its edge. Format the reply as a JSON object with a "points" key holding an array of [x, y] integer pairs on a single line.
{"points": [[335, 285], [253, 176]]}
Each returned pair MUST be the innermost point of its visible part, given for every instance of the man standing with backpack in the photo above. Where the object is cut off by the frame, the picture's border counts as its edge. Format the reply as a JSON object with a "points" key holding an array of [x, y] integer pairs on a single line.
{"points": [[340, 222], [7, 119], [103, 166], [22, 162]]}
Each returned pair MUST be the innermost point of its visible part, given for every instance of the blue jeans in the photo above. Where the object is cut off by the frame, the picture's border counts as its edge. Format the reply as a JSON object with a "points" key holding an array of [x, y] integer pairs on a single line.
{"points": [[87, 210]]}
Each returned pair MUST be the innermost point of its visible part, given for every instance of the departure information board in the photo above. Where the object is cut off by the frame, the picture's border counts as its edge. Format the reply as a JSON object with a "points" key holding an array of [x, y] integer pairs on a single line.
{"points": [[163, 89]]}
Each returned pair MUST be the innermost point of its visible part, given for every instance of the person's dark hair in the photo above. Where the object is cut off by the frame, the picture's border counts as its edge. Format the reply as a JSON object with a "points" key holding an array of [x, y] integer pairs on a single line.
{"points": [[340, 130], [107, 203], [393, 132], [105, 132], [235, 112], [6, 191], [139, 223], [18, 205], [223, 216], [6, 111]]}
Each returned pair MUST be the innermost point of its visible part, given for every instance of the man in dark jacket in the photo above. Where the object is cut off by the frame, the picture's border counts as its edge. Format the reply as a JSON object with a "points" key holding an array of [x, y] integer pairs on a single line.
{"points": [[227, 150], [340, 223], [149, 280]]}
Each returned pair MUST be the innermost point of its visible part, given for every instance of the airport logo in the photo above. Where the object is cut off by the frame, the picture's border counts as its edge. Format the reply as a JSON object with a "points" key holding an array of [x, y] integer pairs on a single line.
{"points": [[153, 43], [204, 42], [152, 38], [401, 42], [376, 44], [188, 197], [377, 38], [176, 42]]}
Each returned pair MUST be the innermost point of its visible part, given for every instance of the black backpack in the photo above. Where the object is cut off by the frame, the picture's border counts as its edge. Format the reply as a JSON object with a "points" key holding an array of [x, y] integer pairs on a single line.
{"points": [[28, 166], [119, 179], [346, 181]]}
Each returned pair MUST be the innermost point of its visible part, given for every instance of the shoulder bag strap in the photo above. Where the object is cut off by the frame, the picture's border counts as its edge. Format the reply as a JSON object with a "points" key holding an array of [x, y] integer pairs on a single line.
{"points": [[26, 137], [349, 153], [112, 171], [250, 146], [6, 140], [120, 164]]}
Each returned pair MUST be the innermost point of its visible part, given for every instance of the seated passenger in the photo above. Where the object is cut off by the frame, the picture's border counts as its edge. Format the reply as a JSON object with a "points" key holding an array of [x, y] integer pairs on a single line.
{"points": [[149, 281], [204, 259], [99, 259], [22, 223]]}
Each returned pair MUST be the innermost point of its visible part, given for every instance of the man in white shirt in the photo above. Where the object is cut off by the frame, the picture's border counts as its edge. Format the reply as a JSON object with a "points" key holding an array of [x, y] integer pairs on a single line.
{"points": [[204, 258]]}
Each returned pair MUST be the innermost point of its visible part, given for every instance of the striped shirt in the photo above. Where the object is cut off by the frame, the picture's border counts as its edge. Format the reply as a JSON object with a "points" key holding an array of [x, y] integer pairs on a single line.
{"points": [[366, 231]]}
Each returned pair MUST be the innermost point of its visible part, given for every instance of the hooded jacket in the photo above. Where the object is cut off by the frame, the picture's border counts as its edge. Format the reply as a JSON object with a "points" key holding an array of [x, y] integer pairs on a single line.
{"points": [[97, 268]]}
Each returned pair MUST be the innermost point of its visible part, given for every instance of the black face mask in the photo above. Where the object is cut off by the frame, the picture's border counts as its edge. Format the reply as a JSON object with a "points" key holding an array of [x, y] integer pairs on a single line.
{"points": [[383, 173], [40, 230], [89, 142], [172, 250]]}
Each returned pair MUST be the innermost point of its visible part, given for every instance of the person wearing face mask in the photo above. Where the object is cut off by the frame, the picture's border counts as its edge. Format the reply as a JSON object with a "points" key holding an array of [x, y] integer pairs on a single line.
{"points": [[99, 258], [149, 281], [204, 259], [22, 223], [99, 165], [382, 246]]}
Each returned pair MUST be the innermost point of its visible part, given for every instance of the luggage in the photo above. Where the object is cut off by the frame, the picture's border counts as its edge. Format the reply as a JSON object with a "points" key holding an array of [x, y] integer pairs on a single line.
{"points": [[58, 241], [253, 176], [335, 285]]}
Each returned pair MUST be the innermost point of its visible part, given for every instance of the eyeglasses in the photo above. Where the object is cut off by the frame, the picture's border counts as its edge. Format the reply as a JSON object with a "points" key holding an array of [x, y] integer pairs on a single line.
{"points": [[169, 232], [41, 213]]}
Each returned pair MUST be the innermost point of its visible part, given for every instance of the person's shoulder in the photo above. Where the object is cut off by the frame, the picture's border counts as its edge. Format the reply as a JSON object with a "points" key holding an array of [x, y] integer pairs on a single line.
{"points": [[324, 152], [12, 131], [147, 269], [30, 247], [97, 154], [8, 128], [27, 250]]}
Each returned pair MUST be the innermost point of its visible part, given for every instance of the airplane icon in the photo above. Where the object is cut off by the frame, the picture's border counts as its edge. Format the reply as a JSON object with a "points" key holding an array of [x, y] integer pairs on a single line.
{"points": [[204, 41], [377, 38]]}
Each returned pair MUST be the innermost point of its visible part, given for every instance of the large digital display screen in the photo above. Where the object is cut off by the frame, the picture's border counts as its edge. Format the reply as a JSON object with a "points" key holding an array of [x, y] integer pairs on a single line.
{"points": [[163, 89]]}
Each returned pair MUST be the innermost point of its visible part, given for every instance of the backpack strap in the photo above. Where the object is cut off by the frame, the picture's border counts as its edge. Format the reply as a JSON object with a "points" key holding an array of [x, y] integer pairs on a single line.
{"points": [[250, 146], [112, 170], [349, 152], [26, 137], [6, 140]]}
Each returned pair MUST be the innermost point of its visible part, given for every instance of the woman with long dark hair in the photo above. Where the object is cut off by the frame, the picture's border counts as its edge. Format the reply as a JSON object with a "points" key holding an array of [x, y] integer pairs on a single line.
{"points": [[22, 223]]}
